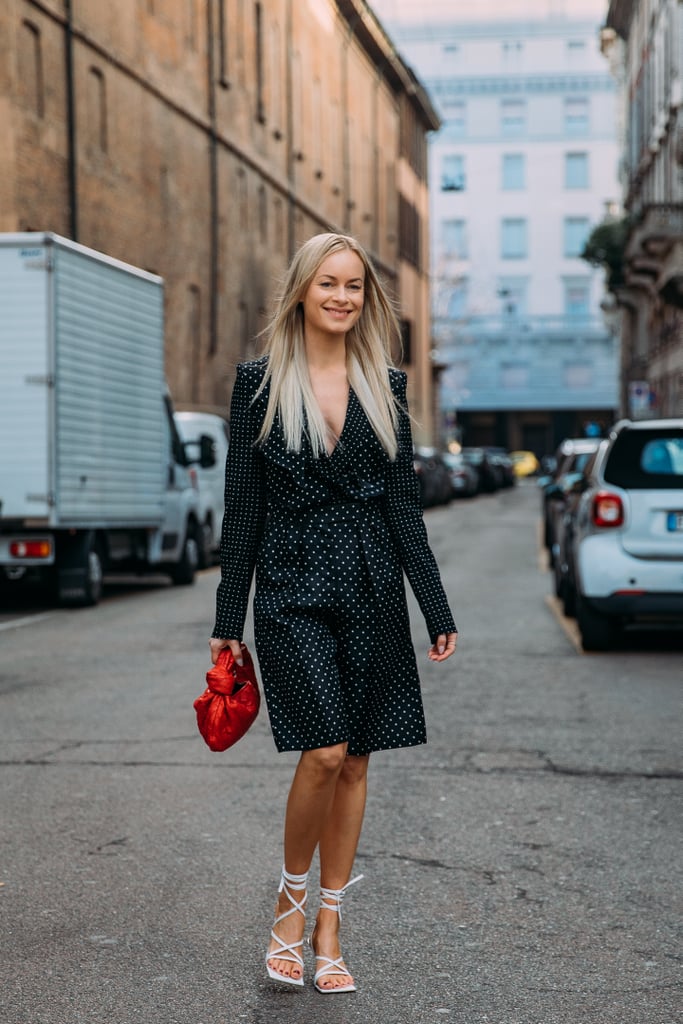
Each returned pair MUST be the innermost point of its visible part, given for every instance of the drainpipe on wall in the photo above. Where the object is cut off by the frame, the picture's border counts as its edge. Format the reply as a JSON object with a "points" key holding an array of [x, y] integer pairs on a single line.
{"points": [[213, 185], [289, 132], [72, 170]]}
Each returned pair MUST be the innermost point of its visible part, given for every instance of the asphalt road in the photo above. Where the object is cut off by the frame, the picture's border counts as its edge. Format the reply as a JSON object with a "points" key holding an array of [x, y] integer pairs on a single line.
{"points": [[521, 868]]}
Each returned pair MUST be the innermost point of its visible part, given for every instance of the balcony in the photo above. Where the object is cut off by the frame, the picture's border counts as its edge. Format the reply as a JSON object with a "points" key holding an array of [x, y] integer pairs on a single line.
{"points": [[654, 253]]}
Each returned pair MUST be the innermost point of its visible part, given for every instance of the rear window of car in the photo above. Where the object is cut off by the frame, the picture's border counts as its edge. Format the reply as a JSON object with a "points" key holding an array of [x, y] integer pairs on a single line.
{"points": [[646, 459]]}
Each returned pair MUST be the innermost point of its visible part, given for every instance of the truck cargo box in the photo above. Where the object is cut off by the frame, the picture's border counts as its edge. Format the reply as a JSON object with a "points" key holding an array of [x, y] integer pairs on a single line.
{"points": [[82, 431]]}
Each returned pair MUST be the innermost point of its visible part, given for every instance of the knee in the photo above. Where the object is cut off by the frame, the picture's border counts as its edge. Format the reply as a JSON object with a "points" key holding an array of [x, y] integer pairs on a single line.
{"points": [[354, 770], [326, 761]]}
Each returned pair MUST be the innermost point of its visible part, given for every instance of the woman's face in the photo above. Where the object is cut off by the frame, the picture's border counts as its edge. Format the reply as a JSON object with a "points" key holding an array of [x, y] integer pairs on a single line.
{"points": [[334, 299]]}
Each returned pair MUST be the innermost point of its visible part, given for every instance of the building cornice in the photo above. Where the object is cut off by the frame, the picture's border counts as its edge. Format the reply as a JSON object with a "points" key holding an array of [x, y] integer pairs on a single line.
{"points": [[370, 34], [498, 85], [620, 16]]}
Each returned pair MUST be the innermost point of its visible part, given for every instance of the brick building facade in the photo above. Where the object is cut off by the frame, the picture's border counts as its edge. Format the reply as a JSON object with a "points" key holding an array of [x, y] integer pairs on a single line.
{"points": [[204, 140]]}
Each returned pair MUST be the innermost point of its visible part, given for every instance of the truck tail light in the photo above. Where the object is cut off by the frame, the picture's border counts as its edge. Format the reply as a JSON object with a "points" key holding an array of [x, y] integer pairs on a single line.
{"points": [[30, 548], [608, 509]]}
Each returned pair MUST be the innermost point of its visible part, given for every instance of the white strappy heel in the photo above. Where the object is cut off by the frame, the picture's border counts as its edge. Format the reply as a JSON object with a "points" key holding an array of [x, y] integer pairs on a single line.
{"points": [[288, 950], [331, 899]]}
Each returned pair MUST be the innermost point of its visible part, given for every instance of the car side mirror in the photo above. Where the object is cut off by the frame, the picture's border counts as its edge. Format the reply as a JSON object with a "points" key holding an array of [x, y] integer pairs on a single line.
{"points": [[207, 451]]}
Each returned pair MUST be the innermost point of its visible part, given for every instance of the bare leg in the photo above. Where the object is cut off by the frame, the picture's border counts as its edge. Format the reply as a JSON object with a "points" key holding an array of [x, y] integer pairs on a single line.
{"points": [[309, 805], [338, 844]]}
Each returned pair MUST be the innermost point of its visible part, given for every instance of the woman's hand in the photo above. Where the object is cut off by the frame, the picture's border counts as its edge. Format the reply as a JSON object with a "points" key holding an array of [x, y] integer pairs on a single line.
{"points": [[217, 645], [443, 647]]}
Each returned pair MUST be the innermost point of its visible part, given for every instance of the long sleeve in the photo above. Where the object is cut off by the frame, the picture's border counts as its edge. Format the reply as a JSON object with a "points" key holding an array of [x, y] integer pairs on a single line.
{"points": [[403, 513], [245, 510]]}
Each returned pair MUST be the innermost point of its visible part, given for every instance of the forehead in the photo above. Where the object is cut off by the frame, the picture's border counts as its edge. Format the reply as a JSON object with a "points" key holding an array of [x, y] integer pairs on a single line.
{"points": [[344, 264]]}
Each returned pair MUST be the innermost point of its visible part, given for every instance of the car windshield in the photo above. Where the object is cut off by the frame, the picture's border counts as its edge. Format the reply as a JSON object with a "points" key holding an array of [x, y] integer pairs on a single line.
{"points": [[647, 459]]}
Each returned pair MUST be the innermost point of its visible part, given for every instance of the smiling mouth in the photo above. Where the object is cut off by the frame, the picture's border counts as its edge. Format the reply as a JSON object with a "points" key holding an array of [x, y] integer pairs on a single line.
{"points": [[338, 312]]}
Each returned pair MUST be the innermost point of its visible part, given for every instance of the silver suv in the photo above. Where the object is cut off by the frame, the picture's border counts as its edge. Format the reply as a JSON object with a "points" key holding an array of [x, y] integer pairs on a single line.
{"points": [[624, 545]]}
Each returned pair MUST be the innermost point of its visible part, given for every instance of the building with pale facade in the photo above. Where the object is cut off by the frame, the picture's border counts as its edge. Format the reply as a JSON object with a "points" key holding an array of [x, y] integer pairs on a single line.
{"points": [[524, 166], [204, 141], [644, 44]]}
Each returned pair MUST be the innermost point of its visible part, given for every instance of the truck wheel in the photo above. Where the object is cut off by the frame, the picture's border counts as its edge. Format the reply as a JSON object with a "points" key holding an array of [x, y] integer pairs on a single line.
{"points": [[184, 570], [598, 632], [80, 573]]}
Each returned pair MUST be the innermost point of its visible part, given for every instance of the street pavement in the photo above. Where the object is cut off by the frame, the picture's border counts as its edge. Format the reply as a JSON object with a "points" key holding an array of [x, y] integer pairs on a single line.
{"points": [[521, 868]]}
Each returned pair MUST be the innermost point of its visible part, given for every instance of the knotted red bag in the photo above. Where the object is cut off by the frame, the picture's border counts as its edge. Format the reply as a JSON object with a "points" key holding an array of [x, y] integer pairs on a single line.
{"points": [[230, 704]]}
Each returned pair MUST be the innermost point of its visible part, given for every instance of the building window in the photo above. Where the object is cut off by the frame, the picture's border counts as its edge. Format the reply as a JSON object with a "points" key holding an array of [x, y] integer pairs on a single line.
{"points": [[577, 376], [192, 33], [194, 328], [97, 93], [576, 170], [260, 69], [513, 238], [410, 227], [406, 342], [457, 300], [453, 173], [222, 45], [455, 239], [576, 231], [513, 171], [512, 117], [31, 68], [512, 292], [576, 116], [514, 376], [455, 115], [577, 297]]}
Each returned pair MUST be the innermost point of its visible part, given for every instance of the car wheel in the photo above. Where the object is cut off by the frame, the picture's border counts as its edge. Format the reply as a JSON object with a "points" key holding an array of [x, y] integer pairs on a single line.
{"points": [[598, 632], [183, 572], [205, 540], [567, 596]]}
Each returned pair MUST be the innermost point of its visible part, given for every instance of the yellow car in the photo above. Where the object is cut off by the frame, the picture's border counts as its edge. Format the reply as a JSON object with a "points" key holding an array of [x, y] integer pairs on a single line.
{"points": [[524, 463]]}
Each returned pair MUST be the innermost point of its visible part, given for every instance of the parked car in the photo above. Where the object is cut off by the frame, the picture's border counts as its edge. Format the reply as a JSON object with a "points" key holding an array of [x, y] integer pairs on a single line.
{"points": [[524, 463], [501, 457], [623, 561], [464, 478], [211, 480], [490, 476], [434, 477], [571, 456]]}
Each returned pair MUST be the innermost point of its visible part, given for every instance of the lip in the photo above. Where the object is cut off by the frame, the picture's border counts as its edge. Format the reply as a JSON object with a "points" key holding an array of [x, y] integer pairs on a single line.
{"points": [[337, 312]]}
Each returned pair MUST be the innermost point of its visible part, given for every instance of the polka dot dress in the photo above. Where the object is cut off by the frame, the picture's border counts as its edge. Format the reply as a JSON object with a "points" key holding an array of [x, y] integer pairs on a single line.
{"points": [[329, 539]]}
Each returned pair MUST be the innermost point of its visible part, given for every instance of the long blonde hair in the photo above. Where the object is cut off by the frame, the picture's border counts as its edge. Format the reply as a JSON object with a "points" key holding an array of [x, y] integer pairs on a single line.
{"points": [[368, 353]]}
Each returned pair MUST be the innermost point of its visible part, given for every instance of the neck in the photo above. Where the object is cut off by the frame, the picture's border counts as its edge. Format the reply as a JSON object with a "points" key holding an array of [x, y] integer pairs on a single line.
{"points": [[324, 353]]}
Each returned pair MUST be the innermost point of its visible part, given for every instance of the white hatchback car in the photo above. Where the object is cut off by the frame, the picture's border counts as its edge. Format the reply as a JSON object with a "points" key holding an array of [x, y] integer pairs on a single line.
{"points": [[624, 554], [211, 481]]}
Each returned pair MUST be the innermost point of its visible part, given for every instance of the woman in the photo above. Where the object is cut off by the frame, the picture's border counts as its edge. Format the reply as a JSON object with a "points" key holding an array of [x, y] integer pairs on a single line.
{"points": [[322, 501]]}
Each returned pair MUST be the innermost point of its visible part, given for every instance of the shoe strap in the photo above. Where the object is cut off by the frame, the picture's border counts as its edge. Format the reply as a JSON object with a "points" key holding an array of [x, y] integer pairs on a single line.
{"points": [[336, 896], [288, 950]]}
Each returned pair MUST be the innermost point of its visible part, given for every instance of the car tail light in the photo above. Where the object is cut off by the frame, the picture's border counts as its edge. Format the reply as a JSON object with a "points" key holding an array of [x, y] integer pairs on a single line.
{"points": [[30, 549], [608, 509]]}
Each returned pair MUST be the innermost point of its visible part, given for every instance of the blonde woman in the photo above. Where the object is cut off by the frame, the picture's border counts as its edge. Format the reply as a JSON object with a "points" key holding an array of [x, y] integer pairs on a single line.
{"points": [[322, 501]]}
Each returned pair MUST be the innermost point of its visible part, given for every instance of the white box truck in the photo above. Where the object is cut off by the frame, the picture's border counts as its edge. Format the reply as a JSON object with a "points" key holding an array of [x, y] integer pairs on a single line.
{"points": [[93, 475]]}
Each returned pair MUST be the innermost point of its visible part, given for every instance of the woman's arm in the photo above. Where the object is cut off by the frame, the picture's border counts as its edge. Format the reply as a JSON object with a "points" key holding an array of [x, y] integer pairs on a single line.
{"points": [[403, 511], [245, 510]]}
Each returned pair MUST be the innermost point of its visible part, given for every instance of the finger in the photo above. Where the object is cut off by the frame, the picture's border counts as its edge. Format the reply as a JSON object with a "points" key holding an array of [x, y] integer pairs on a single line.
{"points": [[236, 651]]}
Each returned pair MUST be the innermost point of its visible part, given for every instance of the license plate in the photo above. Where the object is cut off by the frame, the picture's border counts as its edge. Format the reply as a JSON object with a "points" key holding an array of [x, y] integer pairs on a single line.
{"points": [[674, 522]]}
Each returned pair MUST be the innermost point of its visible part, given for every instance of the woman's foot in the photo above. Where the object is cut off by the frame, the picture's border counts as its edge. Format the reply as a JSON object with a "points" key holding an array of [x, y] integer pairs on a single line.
{"points": [[284, 960], [331, 973]]}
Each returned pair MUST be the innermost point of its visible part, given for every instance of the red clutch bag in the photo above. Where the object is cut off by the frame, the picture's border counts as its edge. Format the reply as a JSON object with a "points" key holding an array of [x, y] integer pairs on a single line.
{"points": [[230, 704]]}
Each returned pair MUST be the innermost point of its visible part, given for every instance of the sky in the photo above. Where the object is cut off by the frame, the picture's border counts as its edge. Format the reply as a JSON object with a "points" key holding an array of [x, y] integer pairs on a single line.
{"points": [[484, 10]]}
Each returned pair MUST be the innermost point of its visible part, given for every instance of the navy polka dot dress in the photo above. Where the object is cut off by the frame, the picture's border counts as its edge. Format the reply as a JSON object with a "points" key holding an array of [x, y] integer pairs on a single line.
{"points": [[329, 539]]}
